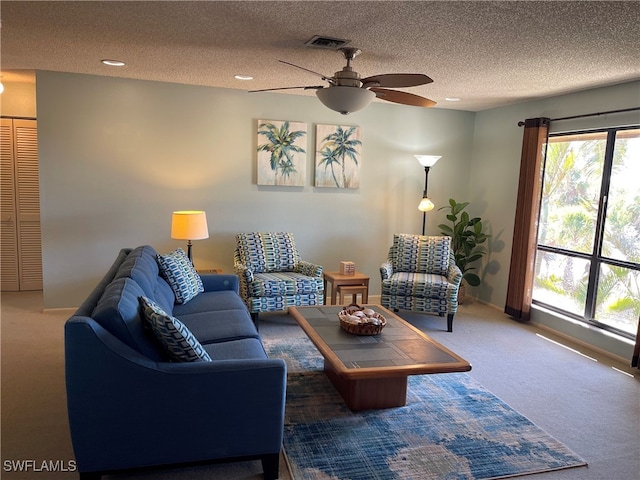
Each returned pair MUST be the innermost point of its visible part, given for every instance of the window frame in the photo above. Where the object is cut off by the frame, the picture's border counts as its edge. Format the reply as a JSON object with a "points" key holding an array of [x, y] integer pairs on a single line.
{"points": [[595, 258]]}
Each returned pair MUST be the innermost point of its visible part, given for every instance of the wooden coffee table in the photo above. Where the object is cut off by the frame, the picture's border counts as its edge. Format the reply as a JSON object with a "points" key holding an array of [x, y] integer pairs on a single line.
{"points": [[371, 372]]}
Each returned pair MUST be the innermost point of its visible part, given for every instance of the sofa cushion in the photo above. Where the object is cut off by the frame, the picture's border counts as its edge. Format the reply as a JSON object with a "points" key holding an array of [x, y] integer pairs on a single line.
{"points": [[163, 295], [246, 348], [142, 267], [118, 311], [417, 285], [220, 326], [210, 302], [281, 284], [181, 275], [176, 338]]}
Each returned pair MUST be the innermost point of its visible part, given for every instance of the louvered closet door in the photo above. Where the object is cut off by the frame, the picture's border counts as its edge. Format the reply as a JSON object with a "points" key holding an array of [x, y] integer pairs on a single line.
{"points": [[9, 233], [28, 204], [25, 218]]}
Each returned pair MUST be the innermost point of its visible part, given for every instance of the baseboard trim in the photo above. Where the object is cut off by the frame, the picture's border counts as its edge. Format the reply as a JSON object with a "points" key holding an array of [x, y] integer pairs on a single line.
{"points": [[581, 343], [375, 299], [69, 310]]}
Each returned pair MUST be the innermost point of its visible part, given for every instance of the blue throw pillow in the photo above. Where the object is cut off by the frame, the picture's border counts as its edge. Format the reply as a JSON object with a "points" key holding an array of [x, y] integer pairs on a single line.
{"points": [[176, 338], [181, 275]]}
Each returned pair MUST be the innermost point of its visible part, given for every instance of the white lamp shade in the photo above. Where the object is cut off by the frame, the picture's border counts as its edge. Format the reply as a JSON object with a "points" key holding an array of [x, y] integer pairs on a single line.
{"points": [[426, 205], [345, 99], [428, 160], [189, 225]]}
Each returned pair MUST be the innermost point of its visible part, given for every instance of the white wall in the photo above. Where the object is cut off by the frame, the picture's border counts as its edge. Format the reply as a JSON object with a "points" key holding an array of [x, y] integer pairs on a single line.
{"points": [[118, 156]]}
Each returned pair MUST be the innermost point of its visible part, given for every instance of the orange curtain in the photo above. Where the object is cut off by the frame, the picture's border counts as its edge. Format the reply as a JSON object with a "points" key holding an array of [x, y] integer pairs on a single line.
{"points": [[523, 253]]}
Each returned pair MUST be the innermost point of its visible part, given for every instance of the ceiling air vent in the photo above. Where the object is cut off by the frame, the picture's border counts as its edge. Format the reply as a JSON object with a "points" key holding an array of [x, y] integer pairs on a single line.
{"points": [[319, 41]]}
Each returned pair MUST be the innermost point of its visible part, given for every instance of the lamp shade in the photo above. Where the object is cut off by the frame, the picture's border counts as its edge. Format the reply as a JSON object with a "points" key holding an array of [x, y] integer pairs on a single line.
{"points": [[428, 160], [189, 225], [426, 205], [345, 99]]}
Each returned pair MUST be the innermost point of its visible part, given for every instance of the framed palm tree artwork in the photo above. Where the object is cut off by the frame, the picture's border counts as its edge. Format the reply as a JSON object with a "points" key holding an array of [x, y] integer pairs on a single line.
{"points": [[282, 155], [338, 156]]}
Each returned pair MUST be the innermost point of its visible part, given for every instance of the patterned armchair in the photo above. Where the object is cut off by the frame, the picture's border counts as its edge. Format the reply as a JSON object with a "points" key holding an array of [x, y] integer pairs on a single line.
{"points": [[272, 276], [421, 275]]}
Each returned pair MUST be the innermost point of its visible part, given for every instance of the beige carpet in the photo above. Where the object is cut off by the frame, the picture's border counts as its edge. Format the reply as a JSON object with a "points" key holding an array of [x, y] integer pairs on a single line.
{"points": [[583, 402]]}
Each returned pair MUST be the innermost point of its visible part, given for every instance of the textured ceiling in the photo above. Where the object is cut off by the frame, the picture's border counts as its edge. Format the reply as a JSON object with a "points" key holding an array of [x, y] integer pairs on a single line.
{"points": [[487, 53]]}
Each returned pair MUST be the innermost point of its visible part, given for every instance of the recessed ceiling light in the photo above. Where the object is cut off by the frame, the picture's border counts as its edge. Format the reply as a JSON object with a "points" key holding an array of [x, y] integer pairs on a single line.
{"points": [[113, 63], [243, 77], [452, 99]]}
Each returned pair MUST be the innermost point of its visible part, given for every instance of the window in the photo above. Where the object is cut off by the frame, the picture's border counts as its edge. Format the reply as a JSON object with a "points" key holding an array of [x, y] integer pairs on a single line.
{"points": [[588, 254]]}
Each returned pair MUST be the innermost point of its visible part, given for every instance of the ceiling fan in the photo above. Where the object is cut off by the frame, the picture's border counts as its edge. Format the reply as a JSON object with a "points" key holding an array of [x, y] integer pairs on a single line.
{"points": [[348, 92]]}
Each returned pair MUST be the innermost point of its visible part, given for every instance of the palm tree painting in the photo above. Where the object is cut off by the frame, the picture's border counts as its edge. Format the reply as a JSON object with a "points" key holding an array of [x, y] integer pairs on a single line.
{"points": [[282, 159], [338, 156]]}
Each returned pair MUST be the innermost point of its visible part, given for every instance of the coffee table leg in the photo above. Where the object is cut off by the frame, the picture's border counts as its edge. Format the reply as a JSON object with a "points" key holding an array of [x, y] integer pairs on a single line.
{"points": [[369, 393]]}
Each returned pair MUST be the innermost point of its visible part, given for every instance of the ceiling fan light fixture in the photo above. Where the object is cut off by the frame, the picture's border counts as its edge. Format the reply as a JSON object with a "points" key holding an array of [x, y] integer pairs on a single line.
{"points": [[345, 100]]}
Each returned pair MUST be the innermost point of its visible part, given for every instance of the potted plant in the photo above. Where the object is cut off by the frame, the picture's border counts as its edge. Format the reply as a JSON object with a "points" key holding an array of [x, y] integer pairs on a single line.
{"points": [[466, 240]]}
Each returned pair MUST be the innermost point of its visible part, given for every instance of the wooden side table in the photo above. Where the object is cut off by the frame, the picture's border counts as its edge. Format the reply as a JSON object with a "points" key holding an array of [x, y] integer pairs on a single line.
{"points": [[353, 290], [336, 279]]}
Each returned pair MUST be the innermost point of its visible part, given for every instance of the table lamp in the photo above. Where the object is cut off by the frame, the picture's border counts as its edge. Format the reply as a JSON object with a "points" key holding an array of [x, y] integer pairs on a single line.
{"points": [[189, 225]]}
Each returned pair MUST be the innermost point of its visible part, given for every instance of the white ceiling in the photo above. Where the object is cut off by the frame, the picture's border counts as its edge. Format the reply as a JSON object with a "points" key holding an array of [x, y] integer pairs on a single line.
{"points": [[488, 53]]}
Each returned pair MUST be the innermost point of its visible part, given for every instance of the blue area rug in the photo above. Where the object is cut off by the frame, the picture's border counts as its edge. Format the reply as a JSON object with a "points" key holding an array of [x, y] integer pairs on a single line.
{"points": [[451, 428]]}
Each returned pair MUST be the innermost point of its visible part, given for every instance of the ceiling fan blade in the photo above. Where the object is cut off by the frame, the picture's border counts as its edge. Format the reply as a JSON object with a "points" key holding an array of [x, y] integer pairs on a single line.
{"points": [[396, 80], [314, 87], [324, 77], [403, 98]]}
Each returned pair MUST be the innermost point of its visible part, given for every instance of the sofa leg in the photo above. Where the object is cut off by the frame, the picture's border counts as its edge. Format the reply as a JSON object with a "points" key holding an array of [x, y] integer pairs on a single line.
{"points": [[450, 322], [254, 317], [270, 466]]}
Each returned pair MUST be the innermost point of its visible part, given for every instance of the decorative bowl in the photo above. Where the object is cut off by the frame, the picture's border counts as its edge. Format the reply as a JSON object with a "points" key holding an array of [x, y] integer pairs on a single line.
{"points": [[361, 321]]}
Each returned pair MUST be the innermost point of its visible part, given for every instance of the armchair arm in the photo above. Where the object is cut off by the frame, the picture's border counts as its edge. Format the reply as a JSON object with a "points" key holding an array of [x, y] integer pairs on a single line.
{"points": [[308, 268], [386, 270], [454, 274], [244, 272], [127, 411]]}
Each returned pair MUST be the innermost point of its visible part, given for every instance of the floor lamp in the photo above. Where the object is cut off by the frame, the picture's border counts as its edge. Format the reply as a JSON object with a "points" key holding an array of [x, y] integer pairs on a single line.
{"points": [[426, 205], [189, 225]]}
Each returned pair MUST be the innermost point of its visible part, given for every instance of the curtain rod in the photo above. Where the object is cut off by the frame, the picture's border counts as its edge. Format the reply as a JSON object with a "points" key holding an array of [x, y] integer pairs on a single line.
{"points": [[521, 124]]}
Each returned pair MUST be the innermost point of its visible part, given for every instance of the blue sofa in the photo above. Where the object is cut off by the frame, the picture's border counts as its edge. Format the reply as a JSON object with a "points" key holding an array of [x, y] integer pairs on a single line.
{"points": [[131, 407]]}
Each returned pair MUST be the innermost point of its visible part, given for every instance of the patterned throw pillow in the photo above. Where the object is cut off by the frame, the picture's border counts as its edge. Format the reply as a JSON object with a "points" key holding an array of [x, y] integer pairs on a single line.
{"points": [[181, 275], [176, 338]]}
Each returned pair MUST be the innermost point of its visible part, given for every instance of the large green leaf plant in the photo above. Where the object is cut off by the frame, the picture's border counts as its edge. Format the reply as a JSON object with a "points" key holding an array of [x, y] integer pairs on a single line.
{"points": [[466, 238]]}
